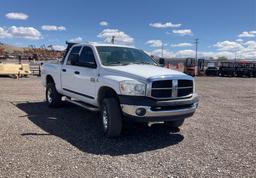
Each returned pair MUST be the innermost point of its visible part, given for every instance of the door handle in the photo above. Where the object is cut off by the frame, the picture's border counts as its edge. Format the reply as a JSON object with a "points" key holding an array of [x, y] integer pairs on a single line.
{"points": [[92, 79], [77, 72], [64, 70]]}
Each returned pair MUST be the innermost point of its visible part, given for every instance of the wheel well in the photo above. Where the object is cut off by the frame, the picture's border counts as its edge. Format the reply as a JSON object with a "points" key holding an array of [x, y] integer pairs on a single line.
{"points": [[49, 79], [106, 92]]}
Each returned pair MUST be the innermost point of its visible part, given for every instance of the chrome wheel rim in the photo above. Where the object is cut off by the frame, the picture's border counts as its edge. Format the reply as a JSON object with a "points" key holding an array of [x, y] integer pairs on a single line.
{"points": [[49, 95], [105, 118]]}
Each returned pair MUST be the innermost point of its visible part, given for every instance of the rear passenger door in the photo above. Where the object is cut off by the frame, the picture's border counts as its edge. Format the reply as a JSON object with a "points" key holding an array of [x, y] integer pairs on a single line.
{"points": [[68, 72]]}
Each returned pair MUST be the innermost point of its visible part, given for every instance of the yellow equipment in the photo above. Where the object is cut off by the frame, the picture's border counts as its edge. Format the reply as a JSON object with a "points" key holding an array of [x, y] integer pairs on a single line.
{"points": [[18, 70]]}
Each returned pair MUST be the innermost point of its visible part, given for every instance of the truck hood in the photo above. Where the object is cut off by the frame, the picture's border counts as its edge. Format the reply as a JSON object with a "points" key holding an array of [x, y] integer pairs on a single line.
{"points": [[143, 72]]}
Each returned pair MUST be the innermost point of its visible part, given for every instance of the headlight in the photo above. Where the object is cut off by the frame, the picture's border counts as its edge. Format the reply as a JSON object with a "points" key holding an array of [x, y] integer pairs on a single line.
{"points": [[132, 87]]}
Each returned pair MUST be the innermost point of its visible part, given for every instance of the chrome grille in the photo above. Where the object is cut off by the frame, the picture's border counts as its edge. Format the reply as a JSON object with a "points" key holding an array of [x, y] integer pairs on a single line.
{"points": [[171, 89]]}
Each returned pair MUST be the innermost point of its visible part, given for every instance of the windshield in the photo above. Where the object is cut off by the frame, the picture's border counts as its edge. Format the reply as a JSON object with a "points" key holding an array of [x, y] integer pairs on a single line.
{"points": [[110, 56]]}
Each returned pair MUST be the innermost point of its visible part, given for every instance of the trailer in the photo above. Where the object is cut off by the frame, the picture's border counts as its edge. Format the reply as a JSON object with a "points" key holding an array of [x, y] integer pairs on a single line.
{"points": [[16, 70]]}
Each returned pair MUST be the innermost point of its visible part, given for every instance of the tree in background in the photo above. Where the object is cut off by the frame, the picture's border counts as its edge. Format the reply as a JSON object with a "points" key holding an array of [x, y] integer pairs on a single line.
{"points": [[222, 59], [1, 50]]}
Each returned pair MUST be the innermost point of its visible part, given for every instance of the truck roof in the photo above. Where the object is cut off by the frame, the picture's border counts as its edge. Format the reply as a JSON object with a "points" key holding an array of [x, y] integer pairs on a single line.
{"points": [[104, 44]]}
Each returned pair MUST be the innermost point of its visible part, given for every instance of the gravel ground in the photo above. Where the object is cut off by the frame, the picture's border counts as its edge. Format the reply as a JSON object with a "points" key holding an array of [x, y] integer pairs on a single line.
{"points": [[218, 141]]}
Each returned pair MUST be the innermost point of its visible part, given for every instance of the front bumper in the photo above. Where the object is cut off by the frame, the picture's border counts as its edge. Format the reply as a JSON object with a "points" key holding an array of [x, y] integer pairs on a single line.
{"points": [[155, 110]]}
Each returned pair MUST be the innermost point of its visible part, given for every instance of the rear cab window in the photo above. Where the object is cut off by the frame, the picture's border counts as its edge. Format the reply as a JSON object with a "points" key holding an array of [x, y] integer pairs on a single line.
{"points": [[74, 50]]}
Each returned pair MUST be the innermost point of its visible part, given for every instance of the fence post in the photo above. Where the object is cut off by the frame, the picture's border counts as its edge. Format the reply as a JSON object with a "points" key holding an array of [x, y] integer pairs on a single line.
{"points": [[39, 72]]}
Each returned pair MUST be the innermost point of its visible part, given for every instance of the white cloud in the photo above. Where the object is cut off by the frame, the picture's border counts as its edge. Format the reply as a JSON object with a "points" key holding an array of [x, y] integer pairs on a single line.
{"points": [[53, 28], [16, 16], [76, 40], [239, 40], [4, 33], [155, 43], [20, 32], [103, 23], [247, 53], [59, 47], [164, 25], [183, 32], [120, 36], [228, 46], [182, 45], [226, 54], [185, 53], [166, 53], [247, 34], [246, 50], [250, 44]]}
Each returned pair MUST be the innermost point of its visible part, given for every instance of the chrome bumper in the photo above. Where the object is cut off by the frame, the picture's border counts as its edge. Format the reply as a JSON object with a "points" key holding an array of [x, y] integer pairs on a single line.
{"points": [[190, 107], [131, 110]]}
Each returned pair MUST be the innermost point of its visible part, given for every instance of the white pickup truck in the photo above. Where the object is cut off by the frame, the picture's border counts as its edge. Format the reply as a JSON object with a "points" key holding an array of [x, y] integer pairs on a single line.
{"points": [[122, 83]]}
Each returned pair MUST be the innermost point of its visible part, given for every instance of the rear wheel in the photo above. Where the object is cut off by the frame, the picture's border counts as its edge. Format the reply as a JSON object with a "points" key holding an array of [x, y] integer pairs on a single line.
{"points": [[175, 124], [53, 98], [111, 117]]}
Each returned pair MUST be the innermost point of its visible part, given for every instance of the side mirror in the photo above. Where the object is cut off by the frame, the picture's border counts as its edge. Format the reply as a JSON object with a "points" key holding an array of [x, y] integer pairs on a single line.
{"points": [[162, 62], [74, 59]]}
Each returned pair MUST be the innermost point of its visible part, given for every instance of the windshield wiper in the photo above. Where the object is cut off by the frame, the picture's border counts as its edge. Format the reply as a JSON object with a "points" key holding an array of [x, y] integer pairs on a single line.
{"points": [[141, 62], [117, 63]]}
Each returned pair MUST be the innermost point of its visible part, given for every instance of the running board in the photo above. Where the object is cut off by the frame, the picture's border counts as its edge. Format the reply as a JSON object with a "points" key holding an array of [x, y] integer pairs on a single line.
{"points": [[82, 104]]}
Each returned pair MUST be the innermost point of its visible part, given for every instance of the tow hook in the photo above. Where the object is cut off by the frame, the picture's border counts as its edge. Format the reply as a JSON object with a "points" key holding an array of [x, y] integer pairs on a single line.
{"points": [[152, 123]]}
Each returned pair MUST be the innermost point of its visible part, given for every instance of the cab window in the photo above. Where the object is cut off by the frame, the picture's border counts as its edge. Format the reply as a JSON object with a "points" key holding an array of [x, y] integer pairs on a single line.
{"points": [[75, 50], [87, 58]]}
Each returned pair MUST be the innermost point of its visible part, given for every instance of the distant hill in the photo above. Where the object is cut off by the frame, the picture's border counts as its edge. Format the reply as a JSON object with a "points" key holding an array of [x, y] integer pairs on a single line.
{"points": [[10, 48]]}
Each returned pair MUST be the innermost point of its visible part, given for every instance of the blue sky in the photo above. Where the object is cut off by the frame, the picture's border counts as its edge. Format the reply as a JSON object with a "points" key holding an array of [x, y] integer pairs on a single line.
{"points": [[144, 24]]}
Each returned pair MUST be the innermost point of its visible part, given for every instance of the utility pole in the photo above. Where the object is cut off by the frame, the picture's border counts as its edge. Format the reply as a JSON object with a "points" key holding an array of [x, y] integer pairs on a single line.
{"points": [[196, 43], [113, 40], [235, 55], [196, 60], [162, 50]]}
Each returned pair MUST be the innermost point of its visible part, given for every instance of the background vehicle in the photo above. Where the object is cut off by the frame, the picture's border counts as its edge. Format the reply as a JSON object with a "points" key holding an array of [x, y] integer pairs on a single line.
{"points": [[190, 67], [122, 83], [193, 67], [227, 69], [212, 69], [244, 69]]}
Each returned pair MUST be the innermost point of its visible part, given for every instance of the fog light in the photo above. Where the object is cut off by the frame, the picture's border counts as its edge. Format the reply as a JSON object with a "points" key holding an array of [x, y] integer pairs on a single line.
{"points": [[140, 111]]}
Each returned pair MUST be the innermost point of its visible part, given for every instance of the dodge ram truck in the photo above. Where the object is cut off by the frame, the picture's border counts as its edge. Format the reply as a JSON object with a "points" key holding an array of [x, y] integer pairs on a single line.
{"points": [[120, 82]]}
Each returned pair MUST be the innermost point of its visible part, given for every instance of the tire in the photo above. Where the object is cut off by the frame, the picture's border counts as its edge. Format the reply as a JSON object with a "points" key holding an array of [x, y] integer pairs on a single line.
{"points": [[53, 98], [175, 124], [111, 117]]}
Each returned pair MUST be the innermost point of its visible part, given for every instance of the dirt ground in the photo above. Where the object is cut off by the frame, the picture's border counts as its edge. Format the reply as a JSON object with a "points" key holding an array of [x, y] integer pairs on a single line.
{"points": [[218, 141]]}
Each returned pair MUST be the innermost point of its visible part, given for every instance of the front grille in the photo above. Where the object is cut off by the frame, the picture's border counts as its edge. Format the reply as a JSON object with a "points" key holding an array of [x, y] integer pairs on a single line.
{"points": [[166, 108], [161, 93], [162, 89], [168, 89], [185, 92], [185, 83], [185, 87], [162, 84]]}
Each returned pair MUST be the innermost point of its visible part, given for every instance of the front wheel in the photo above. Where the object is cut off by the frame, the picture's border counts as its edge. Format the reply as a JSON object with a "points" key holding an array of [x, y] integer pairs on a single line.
{"points": [[53, 98], [111, 117]]}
